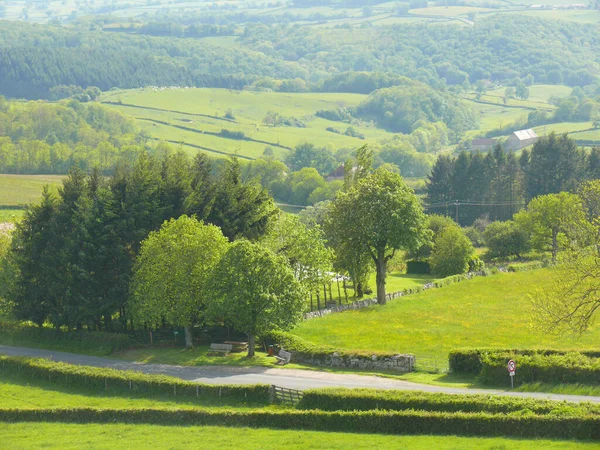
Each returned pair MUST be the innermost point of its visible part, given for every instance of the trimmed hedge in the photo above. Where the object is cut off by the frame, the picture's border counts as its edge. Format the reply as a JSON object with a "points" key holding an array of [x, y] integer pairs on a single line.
{"points": [[469, 360], [89, 342], [384, 422], [128, 381], [567, 368], [370, 399], [305, 350]]}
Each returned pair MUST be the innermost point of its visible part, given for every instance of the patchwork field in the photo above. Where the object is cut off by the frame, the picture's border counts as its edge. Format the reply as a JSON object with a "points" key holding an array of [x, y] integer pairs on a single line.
{"points": [[199, 116], [484, 312]]}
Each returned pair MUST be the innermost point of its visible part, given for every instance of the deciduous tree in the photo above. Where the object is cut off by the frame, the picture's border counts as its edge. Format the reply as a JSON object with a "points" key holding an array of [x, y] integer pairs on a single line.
{"points": [[255, 290], [172, 273]]}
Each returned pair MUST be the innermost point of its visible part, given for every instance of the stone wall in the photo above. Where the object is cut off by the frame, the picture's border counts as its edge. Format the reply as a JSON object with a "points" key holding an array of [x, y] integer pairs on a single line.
{"points": [[399, 363]]}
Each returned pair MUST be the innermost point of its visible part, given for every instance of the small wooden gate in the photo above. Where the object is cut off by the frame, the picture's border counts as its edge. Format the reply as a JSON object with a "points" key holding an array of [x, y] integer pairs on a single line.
{"points": [[285, 396]]}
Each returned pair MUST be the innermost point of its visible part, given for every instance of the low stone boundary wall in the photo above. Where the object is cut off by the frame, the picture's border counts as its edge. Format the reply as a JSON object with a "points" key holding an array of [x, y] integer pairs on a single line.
{"points": [[399, 363]]}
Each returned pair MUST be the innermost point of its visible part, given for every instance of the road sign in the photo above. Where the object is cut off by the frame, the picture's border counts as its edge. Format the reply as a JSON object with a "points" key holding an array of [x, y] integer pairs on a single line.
{"points": [[511, 371], [511, 367]]}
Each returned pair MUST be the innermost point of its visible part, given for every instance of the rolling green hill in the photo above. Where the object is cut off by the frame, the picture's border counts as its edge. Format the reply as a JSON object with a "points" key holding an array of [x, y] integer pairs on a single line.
{"points": [[198, 116], [484, 312]]}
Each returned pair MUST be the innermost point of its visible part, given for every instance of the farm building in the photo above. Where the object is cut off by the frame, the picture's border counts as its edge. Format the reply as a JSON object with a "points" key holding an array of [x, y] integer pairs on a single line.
{"points": [[482, 144], [521, 139]]}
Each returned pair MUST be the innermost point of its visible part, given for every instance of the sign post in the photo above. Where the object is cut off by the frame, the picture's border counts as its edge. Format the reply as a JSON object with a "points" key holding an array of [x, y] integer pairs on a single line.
{"points": [[511, 371]]}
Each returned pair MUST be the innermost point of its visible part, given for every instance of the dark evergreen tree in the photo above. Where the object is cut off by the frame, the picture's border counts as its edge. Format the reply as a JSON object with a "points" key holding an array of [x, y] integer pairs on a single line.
{"points": [[556, 165], [439, 185], [593, 164]]}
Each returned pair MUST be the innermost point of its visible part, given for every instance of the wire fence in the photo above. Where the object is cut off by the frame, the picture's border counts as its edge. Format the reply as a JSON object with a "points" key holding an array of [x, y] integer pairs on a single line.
{"points": [[432, 364]]}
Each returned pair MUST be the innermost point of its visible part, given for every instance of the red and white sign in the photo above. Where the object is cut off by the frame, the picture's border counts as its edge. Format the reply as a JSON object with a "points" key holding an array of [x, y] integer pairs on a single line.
{"points": [[511, 367]]}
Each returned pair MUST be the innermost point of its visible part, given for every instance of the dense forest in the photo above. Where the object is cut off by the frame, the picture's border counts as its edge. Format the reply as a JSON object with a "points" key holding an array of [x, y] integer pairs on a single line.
{"points": [[500, 183], [502, 50]]}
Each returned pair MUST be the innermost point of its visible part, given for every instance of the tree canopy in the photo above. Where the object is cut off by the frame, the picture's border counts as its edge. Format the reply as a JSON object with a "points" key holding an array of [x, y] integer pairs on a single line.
{"points": [[172, 273]]}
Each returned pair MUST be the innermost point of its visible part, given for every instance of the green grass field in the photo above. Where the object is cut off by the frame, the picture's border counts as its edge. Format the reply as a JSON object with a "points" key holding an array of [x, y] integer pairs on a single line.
{"points": [[16, 393], [484, 312], [24, 189], [70, 436], [203, 111]]}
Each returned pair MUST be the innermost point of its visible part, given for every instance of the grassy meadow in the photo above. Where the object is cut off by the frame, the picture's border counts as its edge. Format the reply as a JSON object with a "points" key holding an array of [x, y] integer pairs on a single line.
{"points": [[484, 312], [162, 113], [23, 189], [94, 436]]}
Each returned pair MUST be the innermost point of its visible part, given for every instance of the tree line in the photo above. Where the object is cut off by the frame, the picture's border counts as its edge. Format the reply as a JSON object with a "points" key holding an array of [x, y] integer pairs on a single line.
{"points": [[34, 59], [73, 253], [500, 183]]}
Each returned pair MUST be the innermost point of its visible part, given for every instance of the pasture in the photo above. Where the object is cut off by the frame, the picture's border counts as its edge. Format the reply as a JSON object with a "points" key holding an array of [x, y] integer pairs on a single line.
{"points": [[18, 190], [71, 436], [484, 312], [199, 116]]}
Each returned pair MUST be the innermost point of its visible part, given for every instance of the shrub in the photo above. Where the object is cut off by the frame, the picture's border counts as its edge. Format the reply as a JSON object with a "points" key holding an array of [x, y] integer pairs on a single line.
{"points": [[121, 381], [553, 368], [506, 239], [417, 267], [475, 264], [451, 253], [383, 422], [89, 342], [229, 134], [543, 365], [369, 399]]}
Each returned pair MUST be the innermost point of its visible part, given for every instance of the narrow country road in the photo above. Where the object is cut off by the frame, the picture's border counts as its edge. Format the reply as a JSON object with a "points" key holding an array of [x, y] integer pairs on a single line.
{"points": [[290, 378]]}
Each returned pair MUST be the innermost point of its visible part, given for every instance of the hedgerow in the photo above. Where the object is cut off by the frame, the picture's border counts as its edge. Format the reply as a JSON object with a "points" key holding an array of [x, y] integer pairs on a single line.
{"points": [[553, 368], [105, 379], [543, 365], [383, 422], [305, 350], [370, 399], [525, 266], [89, 342], [469, 360]]}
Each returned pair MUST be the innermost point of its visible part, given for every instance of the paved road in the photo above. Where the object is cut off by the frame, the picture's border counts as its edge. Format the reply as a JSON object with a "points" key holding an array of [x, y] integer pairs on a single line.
{"points": [[290, 378]]}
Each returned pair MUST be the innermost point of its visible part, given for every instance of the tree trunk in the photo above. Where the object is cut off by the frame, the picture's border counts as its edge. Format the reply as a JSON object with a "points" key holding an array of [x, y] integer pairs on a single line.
{"points": [[339, 292], [188, 338], [554, 245], [318, 301], [251, 345], [311, 302], [380, 279], [358, 290]]}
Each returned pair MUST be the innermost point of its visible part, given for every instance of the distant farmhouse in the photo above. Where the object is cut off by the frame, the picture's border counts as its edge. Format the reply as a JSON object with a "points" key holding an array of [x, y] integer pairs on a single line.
{"points": [[521, 139], [482, 144]]}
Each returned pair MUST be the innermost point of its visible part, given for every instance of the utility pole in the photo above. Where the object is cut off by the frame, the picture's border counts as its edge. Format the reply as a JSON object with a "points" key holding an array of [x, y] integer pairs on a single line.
{"points": [[456, 203]]}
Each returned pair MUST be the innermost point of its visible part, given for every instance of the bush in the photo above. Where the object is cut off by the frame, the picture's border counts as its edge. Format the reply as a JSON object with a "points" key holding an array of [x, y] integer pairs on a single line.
{"points": [[543, 365], [565, 368], [475, 264], [417, 267], [451, 252], [306, 351], [127, 381], [369, 399], [229, 134], [506, 239], [89, 342], [382, 422]]}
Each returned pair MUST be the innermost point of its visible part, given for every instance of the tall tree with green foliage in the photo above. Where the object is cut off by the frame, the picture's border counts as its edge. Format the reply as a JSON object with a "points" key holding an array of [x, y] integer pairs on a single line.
{"points": [[556, 164], [439, 185], [304, 248], [379, 215], [172, 273], [241, 210], [554, 221], [255, 290]]}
